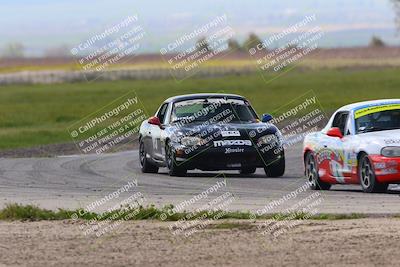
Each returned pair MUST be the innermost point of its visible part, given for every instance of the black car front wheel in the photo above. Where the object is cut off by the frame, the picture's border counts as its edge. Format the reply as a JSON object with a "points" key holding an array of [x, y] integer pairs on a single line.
{"points": [[147, 166], [173, 168], [277, 168]]}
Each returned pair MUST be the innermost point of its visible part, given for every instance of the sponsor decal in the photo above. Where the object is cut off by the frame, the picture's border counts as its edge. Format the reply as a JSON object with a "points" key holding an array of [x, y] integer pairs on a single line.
{"points": [[369, 110], [230, 133], [388, 171], [392, 141], [347, 158], [232, 143], [233, 150], [386, 167], [324, 154], [337, 170], [336, 162]]}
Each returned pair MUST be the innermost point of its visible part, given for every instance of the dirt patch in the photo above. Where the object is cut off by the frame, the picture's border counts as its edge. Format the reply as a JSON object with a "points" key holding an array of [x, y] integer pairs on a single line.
{"points": [[363, 242]]}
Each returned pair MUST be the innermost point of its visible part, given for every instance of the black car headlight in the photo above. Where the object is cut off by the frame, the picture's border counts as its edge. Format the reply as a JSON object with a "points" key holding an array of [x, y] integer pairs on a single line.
{"points": [[391, 151], [191, 141], [269, 139]]}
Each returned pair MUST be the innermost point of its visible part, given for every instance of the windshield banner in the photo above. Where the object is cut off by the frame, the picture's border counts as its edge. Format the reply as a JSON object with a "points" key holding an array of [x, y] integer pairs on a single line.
{"points": [[373, 109]]}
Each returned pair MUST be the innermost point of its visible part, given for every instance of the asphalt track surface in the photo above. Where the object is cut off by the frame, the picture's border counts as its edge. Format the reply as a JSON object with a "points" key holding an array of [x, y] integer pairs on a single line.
{"points": [[79, 180]]}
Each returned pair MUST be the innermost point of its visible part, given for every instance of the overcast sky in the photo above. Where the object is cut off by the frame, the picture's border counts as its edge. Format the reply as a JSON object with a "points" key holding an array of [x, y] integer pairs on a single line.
{"points": [[41, 24]]}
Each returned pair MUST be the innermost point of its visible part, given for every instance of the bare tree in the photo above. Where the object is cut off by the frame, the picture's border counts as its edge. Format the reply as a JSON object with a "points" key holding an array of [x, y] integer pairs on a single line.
{"points": [[202, 43], [234, 45], [376, 42], [252, 41], [13, 50]]}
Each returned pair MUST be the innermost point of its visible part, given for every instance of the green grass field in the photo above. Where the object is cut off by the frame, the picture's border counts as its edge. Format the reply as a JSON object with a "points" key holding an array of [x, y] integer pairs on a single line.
{"points": [[13, 212], [33, 115]]}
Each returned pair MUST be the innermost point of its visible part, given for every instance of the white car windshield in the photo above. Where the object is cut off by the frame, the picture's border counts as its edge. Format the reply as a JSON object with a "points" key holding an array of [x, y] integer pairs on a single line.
{"points": [[378, 121]]}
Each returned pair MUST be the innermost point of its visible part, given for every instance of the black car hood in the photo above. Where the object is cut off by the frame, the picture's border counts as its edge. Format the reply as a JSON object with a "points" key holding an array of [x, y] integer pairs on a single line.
{"points": [[246, 130]]}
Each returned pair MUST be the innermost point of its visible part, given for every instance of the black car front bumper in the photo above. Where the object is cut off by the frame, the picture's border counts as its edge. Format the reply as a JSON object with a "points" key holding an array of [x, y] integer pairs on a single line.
{"points": [[229, 158]]}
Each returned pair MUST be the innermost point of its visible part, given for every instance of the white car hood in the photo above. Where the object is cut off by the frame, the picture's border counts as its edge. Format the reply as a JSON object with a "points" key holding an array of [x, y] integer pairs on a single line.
{"points": [[373, 142]]}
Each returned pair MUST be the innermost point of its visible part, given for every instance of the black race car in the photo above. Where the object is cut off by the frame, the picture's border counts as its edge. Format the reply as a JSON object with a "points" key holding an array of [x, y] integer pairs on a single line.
{"points": [[210, 132]]}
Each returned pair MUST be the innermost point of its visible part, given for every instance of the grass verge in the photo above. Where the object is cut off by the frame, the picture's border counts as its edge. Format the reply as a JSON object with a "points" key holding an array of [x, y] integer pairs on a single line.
{"points": [[33, 213]]}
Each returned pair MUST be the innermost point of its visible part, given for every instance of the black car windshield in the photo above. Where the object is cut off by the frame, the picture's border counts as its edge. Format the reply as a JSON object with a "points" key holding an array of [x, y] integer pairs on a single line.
{"points": [[213, 110], [378, 121]]}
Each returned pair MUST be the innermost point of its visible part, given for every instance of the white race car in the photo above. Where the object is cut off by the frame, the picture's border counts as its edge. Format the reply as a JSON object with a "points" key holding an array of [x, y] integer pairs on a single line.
{"points": [[359, 145]]}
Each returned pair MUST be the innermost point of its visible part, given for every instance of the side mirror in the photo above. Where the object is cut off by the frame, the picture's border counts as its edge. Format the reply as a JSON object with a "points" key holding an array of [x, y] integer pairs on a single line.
{"points": [[334, 132], [154, 121], [266, 117]]}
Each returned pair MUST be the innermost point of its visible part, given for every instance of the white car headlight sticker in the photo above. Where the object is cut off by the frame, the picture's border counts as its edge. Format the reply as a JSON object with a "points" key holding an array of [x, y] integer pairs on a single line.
{"points": [[230, 133]]}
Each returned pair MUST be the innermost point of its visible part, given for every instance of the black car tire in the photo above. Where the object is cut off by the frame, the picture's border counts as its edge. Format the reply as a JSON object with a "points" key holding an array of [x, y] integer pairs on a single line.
{"points": [[147, 166], [277, 168], [248, 170], [367, 177], [173, 168], [311, 173]]}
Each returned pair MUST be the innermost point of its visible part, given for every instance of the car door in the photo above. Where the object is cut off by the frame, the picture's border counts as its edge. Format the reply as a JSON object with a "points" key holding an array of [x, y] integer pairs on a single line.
{"points": [[341, 148], [347, 150], [157, 133]]}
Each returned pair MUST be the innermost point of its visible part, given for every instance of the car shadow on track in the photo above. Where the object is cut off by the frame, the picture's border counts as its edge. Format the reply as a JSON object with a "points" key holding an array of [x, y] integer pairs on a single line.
{"points": [[390, 191], [230, 175]]}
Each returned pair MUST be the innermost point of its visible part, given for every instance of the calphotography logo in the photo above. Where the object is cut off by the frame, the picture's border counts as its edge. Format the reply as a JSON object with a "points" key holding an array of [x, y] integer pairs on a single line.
{"points": [[202, 209], [296, 119], [193, 134], [191, 51], [109, 212], [300, 40], [114, 45], [112, 126], [288, 212]]}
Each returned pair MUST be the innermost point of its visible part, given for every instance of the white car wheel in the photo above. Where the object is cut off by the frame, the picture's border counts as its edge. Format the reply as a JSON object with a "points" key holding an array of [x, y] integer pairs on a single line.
{"points": [[368, 181]]}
